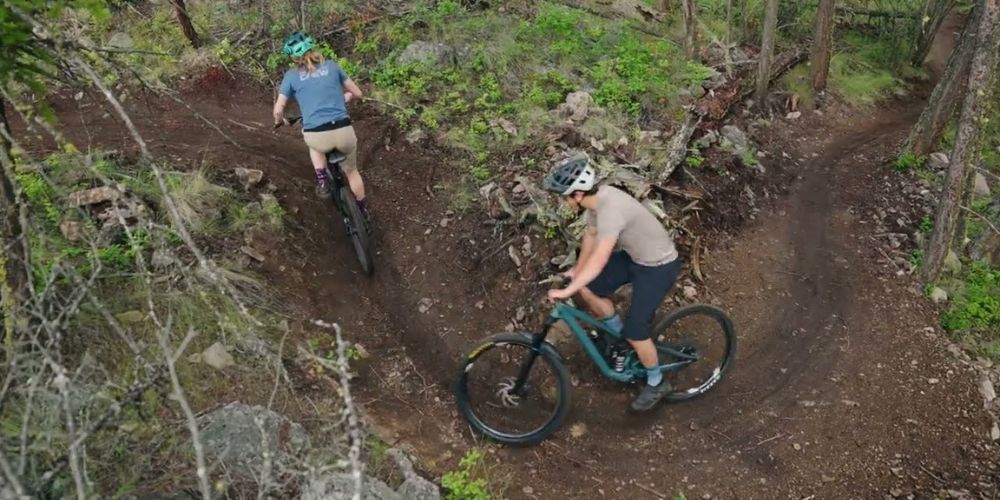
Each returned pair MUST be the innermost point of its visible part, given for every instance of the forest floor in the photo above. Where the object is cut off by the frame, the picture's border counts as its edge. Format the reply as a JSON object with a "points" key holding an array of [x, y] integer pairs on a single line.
{"points": [[844, 384]]}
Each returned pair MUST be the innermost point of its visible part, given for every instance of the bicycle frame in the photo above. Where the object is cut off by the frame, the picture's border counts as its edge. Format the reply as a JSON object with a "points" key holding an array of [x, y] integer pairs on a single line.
{"points": [[576, 319], [337, 180]]}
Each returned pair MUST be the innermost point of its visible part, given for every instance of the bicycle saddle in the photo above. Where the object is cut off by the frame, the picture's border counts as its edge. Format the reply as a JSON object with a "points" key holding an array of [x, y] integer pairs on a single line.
{"points": [[334, 157]]}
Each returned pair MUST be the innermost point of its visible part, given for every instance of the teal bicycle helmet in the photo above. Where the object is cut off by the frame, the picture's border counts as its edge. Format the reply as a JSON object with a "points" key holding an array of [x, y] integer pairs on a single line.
{"points": [[298, 44]]}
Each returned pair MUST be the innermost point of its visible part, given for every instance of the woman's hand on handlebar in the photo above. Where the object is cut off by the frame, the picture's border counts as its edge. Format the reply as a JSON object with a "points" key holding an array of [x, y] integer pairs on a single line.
{"points": [[280, 120]]}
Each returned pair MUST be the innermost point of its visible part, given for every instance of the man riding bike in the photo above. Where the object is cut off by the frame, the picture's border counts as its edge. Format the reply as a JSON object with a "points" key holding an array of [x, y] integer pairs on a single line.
{"points": [[647, 259], [319, 87]]}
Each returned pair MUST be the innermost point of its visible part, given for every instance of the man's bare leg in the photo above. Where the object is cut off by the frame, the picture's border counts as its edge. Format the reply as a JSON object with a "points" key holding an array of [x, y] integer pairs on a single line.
{"points": [[647, 352], [599, 307]]}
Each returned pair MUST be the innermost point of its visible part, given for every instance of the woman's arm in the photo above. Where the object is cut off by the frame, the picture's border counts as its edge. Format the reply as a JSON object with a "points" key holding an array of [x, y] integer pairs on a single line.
{"points": [[279, 108], [352, 90]]}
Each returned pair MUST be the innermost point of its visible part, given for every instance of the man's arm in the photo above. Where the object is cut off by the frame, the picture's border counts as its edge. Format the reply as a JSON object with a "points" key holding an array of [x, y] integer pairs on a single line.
{"points": [[594, 264], [586, 249]]}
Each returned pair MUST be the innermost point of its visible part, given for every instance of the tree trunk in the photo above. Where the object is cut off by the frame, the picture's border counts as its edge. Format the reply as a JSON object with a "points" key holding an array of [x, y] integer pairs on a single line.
{"points": [[13, 259], [663, 5], [966, 140], [185, 21], [690, 11], [822, 45], [987, 247], [729, 23], [766, 52], [947, 93], [935, 11], [744, 20], [958, 240]]}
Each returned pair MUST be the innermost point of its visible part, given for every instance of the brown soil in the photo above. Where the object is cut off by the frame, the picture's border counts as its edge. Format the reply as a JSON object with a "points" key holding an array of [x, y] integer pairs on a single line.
{"points": [[843, 386]]}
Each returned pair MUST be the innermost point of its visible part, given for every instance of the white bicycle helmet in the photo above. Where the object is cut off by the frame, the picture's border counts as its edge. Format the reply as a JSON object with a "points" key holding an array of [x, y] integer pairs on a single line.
{"points": [[573, 175]]}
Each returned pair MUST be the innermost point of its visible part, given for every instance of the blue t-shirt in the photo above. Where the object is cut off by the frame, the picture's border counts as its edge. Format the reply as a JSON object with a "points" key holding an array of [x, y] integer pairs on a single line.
{"points": [[320, 94]]}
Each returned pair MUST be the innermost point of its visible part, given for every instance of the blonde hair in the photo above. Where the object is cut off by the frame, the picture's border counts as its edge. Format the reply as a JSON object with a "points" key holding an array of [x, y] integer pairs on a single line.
{"points": [[309, 61]]}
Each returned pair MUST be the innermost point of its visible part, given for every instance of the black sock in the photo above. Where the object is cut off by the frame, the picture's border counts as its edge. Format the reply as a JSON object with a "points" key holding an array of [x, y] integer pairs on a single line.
{"points": [[320, 176], [363, 204]]}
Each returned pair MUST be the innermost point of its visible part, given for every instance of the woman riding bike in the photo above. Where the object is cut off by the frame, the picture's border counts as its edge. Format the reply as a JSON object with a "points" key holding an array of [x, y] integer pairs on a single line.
{"points": [[322, 89]]}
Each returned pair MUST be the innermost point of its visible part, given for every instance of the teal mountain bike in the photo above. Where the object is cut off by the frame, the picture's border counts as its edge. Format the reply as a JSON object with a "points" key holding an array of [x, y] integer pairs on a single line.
{"points": [[515, 388]]}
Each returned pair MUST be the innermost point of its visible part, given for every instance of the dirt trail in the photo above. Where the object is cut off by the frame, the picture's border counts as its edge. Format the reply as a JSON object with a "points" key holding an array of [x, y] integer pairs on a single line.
{"points": [[843, 385]]}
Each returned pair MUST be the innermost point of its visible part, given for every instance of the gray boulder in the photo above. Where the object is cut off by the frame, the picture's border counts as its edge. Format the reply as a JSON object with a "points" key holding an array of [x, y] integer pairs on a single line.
{"points": [[414, 486], [342, 485], [981, 189], [938, 161], [430, 53], [239, 435], [735, 139], [952, 263], [120, 40], [577, 106]]}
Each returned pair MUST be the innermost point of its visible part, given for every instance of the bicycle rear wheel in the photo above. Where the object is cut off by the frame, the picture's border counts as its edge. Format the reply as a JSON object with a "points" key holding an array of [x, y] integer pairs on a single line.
{"points": [[703, 335], [357, 230], [489, 399]]}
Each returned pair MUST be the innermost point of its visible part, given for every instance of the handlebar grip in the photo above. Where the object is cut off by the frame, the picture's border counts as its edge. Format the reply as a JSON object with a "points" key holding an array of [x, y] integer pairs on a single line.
{"points": [[291, 121]]}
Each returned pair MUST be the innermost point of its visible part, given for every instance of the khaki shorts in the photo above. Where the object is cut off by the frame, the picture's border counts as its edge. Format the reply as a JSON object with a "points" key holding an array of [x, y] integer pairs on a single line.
{"points": [[341, 139]]}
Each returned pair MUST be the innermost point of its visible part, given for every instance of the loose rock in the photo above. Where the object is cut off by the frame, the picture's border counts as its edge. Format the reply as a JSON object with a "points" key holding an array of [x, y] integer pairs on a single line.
{"points": [[162, 259], [249, 177], [71, 230], [986, 389], [93, 196], [938, 295], [512, 252], [129, 317], [425, 305], [253, 253], [217, 357]]}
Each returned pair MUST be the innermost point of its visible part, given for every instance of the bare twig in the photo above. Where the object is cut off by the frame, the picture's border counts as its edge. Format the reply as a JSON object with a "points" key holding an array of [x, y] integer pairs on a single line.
{"points": [[171, 357], [931, 474], [982, 217], [10, 478], [651, 490], [354, 428]]}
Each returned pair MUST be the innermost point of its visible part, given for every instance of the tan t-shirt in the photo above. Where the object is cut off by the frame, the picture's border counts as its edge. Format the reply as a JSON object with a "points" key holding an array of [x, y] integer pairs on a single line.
{"points": [[620, 216]]}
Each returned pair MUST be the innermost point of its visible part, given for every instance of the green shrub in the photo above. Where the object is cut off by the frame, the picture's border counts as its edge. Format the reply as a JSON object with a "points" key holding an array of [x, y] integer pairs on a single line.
{"points": [[976, 302], [463, 484], [909, 161]]}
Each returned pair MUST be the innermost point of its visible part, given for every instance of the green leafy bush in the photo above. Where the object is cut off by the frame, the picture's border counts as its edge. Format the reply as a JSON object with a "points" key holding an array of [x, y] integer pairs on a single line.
{"points": [[462, 484], [909, 161], [976, 302]]}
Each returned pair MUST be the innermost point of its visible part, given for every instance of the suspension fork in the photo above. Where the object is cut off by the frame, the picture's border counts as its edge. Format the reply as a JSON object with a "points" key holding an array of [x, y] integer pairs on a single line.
{"points": [[536, 345]]}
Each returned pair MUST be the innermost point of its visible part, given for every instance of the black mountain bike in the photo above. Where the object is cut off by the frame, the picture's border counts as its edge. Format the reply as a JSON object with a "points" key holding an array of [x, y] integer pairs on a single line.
{"points": [[357, 226]]}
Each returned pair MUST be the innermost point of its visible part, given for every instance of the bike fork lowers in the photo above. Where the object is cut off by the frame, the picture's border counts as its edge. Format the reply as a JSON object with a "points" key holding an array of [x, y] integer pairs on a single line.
{"points": [[537, 340]]}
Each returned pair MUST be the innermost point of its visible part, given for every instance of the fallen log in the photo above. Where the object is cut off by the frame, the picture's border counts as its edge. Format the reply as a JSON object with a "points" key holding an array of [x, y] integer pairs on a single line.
{"points": [[716, 105]]}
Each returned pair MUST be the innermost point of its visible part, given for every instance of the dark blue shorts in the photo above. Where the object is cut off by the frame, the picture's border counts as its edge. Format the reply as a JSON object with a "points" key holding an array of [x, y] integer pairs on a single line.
{"points": [[649, 287]]}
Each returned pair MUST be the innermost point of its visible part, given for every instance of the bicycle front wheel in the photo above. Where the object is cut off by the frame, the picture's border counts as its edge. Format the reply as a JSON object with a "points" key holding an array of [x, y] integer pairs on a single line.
{"points": [[511, 392], [357, 230], [701, 335]]}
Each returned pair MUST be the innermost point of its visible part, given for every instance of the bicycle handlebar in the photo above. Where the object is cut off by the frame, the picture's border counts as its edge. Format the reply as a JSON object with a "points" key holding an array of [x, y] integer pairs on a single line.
{"points": [[291, 121]]}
